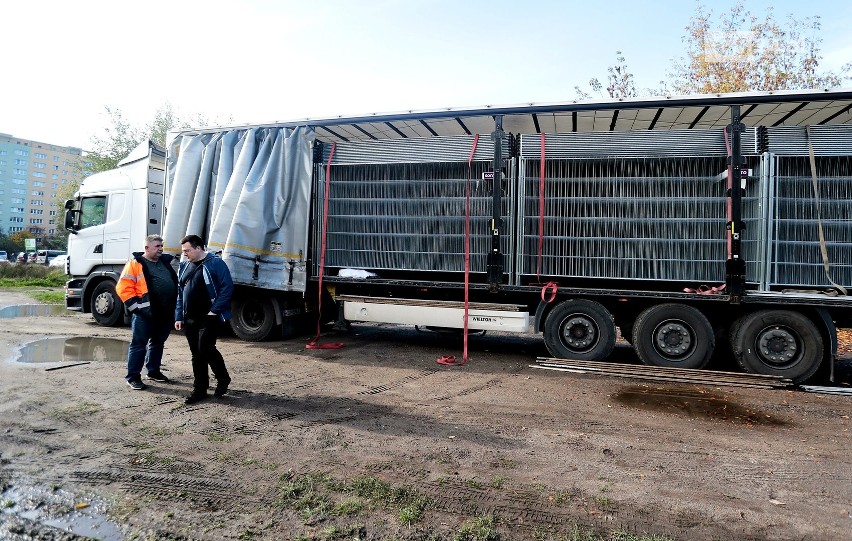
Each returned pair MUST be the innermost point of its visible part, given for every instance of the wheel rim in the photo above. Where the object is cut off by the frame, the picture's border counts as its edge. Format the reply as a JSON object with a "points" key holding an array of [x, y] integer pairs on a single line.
{"points": [[778, 346], [252, 315], [103, 303], [579, 332], [674, 339]]}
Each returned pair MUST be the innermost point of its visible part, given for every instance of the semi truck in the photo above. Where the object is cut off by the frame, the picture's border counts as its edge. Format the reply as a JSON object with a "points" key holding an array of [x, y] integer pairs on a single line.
{"points": [[693, 225]]}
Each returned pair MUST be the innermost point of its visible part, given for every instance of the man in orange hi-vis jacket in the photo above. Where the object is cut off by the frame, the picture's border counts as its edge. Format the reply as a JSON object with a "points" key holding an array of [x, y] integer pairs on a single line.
{"points": [[148, 289]]}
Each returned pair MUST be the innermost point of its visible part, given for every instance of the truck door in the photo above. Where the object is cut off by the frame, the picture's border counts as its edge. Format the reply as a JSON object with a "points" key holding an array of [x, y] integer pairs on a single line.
{"points": [[90, 236], [117, 229]]}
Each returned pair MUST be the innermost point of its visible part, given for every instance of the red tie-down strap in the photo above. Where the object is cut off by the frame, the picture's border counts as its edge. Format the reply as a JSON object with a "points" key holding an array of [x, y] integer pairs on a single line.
{"points": [[540, 212], [450, 360], [314, 344]]}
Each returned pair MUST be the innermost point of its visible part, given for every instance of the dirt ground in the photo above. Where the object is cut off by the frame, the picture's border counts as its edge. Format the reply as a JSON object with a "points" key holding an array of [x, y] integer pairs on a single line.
{"points": [[378, 441]]}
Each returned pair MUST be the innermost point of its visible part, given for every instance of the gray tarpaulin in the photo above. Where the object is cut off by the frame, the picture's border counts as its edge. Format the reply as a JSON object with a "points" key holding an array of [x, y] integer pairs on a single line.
{"points": [[247, 193]]}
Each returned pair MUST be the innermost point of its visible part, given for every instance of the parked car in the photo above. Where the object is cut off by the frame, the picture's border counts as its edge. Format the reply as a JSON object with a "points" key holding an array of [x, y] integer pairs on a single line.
{"points": [[4, 257], [44, 257], [59, 261]]}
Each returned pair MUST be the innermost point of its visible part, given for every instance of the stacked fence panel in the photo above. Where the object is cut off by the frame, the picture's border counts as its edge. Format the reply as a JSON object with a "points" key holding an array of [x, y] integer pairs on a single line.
{"points": [[633, 206], [401, 205], [805, 198]]}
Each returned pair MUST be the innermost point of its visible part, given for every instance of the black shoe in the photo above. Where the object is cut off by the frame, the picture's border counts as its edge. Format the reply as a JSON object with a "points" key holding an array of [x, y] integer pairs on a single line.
{"points": [[221, 387], [158, 376], [195, 397], [136, 384]]}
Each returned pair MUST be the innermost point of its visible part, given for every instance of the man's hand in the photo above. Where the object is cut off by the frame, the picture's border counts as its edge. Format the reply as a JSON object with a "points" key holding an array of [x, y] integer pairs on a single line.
{"points": [[178, 325]]}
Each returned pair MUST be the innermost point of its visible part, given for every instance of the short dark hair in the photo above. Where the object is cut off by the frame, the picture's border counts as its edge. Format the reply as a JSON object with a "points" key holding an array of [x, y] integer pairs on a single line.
{"points": [[194, 240]]}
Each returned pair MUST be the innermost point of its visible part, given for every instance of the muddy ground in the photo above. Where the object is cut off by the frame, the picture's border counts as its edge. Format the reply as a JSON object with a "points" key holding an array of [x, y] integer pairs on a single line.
{"points": [[378, 441]]}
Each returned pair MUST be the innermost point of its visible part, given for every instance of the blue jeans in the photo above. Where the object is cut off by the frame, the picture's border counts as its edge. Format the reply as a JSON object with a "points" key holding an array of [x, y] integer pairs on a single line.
{"points": [[146, 346]]}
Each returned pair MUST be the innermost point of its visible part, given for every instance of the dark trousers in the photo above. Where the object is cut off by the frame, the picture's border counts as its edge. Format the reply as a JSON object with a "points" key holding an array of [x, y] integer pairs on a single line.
{"points": [[201, 334], [146, 346]]}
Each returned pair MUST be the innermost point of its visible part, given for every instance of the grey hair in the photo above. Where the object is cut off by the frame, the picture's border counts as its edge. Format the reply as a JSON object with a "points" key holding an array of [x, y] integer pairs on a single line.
{"points": [[151, 238]]}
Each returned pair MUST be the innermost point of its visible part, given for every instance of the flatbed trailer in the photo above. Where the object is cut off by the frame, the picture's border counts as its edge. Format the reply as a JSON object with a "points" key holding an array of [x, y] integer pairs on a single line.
{"points": [[665, 218]]}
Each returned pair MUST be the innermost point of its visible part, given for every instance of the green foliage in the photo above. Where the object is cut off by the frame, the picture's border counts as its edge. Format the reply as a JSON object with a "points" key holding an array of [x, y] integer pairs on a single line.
{"points": [[30, 276], [120, 136], [482, 528], [738, 52], [49, 297]]}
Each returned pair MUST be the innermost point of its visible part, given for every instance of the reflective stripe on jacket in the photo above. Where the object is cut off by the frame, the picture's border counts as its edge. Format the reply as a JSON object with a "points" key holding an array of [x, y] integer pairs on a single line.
{"points": [[132, 287]]}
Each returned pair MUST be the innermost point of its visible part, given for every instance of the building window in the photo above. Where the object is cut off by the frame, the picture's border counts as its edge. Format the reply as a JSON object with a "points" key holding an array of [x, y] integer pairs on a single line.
{"points": [[20, 171], [20, 152], [38, 184], [39, 155], [37, 202], [37, 192], [39, 165], [19, 181]]}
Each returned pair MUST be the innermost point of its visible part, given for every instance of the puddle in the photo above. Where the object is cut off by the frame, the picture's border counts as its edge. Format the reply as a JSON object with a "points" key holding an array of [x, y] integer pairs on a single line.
{"points": [[689, 403], [59, 509], [33, 310], [75, 349]]}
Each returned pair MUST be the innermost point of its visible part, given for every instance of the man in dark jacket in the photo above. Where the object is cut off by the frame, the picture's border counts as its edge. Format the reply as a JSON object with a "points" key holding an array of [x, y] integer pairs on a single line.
{"points": [[148, 289], [204, 301]]}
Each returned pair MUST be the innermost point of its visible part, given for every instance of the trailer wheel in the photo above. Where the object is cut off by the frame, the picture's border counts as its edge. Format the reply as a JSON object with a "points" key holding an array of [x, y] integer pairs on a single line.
{"points": [[778, 343], [252, 318], [107, 308], [581, 330], [673, 335]]}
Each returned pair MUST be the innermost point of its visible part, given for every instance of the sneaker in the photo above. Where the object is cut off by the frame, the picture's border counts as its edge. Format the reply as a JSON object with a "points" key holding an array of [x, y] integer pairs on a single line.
{"points": [[221, 387], [158, 376], [195, 397], [136, 384]]}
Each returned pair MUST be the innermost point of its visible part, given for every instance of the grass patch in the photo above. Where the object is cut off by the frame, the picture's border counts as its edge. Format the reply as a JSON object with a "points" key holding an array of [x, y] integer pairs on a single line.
{"points": [[313, 496], [48, 297], [83, 409], [482, 528], [27, 276]]}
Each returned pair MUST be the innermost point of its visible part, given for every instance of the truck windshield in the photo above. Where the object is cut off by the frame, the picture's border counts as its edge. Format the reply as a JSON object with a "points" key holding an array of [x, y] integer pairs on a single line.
{"points": [[92, 211]]}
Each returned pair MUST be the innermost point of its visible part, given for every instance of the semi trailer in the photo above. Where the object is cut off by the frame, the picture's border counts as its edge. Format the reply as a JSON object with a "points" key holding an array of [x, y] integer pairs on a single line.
{"points": [[693, 225]]}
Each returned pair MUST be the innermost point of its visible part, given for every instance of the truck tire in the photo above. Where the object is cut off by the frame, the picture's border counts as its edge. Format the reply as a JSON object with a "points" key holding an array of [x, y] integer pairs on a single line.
{"points": [[107, 308], [778, 343], [674, 336], [252, 318], [579, 329]]}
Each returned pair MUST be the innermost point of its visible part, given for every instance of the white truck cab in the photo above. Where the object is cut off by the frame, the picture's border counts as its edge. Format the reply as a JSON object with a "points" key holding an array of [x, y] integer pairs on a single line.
{"points": [[108, 218]]}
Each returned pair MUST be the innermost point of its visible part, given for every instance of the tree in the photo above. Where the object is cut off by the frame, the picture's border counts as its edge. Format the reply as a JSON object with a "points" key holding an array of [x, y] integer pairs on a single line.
{"points": [[744, 52], [621, 83], [120, 137]]}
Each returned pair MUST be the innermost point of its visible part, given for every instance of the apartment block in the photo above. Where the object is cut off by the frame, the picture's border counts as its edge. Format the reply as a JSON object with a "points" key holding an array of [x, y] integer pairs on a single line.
{"points": [[31, 173]]}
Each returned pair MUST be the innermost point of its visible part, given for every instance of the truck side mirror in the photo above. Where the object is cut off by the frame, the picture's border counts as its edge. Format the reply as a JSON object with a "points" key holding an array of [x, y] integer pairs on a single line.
{"points": [[69, 219], [69, 204]]}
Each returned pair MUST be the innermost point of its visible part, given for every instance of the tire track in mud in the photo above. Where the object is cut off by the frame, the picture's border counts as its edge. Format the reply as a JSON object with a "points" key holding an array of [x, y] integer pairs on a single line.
{"points": [[174, 486], [526, 508], [491, 383], [399, 383]]}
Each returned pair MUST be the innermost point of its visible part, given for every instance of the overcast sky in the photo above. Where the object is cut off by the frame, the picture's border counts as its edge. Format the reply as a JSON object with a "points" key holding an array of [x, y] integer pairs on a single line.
{"points": [[258, 61]]}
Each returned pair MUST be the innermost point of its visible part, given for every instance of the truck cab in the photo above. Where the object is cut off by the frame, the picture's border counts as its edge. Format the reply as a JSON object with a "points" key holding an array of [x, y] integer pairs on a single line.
{"points": [[107, 219]]}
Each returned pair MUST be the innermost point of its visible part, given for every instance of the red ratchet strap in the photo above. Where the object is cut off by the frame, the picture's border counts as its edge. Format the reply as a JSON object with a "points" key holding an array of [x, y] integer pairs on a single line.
{"points": [[552, 286], [730, 188], [540, 213], [314, 344], [450, 360]]}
